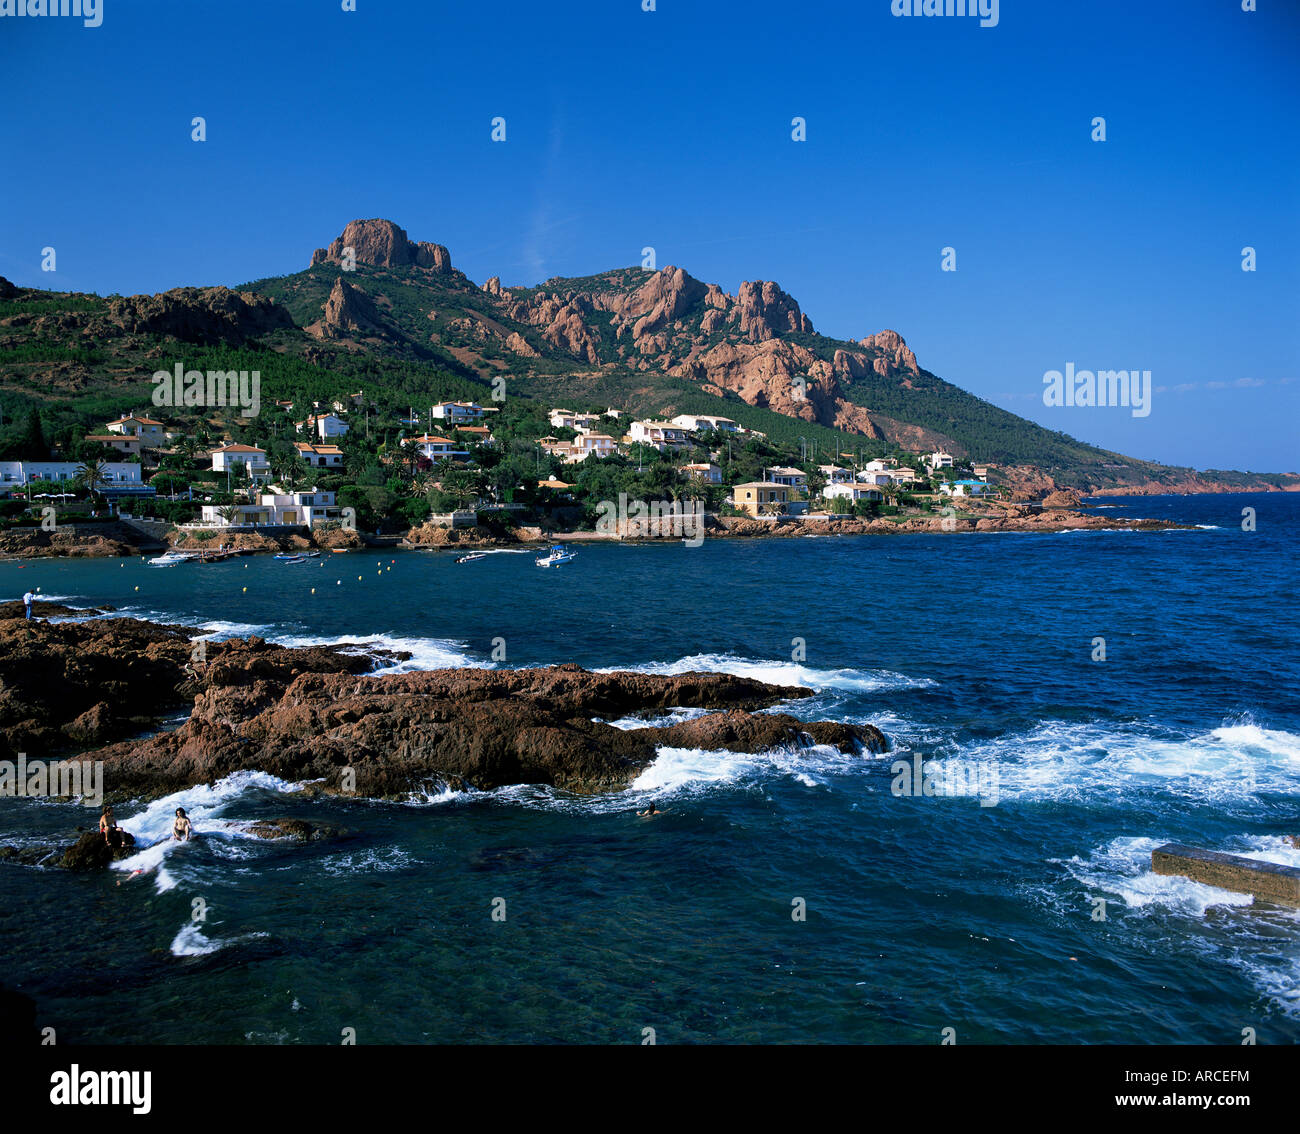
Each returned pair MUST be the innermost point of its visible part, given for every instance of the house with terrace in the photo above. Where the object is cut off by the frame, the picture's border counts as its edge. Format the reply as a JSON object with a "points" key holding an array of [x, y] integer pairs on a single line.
{"points": [[320, 456], [853, 493]]}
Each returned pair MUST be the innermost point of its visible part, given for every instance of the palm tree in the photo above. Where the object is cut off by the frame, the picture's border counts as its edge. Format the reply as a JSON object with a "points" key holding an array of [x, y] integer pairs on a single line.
{"points": [[291, 472], [230, 513], [89, 475]]}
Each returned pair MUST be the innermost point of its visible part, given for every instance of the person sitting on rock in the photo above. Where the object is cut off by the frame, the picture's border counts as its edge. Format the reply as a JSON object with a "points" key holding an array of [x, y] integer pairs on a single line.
{"points": [[109, 829], [182, 829]]}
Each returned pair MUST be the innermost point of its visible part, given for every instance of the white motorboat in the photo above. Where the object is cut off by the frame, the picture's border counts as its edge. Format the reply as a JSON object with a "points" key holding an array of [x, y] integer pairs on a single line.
{"points": [[557, 554], [171, 558]]}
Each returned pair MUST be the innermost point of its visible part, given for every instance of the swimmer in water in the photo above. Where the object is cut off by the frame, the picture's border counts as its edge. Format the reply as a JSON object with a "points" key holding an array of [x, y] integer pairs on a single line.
{"points": [[651, 810], [182, 829]]}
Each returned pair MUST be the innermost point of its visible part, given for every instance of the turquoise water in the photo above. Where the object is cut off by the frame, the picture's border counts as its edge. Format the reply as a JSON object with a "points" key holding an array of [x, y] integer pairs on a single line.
{"points": [[975, 912]]}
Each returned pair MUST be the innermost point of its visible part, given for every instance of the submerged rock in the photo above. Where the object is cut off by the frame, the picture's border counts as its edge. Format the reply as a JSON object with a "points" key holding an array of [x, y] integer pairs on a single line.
{"points": [[297, 829]]}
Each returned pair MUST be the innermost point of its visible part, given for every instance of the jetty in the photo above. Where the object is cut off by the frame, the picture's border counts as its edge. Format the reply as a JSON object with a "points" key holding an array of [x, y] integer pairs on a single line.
{"points": [[1265, 881]]}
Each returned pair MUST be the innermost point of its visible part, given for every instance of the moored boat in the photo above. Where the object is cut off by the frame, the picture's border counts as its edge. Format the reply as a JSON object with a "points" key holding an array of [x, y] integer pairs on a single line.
{"points": [[171, 558]]}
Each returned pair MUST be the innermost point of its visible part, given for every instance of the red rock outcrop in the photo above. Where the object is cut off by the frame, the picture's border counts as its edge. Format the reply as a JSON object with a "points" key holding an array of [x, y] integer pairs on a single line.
{"points": [[348, 311], [383, 244], [477, 727], [766, 311]]}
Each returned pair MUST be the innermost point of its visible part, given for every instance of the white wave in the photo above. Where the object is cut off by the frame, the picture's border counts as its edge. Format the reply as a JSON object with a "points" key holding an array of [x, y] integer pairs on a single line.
{"points": [[151, 858], [431, 795], [776, 672], [1076, 760], [1250, 738], [191, 942], [1123, 867], [426, 653], [663, 720], [689, 768], [218, 630], [202, 803], [1262, 942]]}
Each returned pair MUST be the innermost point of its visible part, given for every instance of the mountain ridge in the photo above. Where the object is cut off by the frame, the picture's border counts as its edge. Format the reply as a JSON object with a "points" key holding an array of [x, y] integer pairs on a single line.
{"points": [[377, 306]]}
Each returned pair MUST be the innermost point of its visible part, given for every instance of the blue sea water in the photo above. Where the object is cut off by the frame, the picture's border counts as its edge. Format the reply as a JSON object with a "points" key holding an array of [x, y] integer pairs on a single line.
{"points": [[980, 913]]}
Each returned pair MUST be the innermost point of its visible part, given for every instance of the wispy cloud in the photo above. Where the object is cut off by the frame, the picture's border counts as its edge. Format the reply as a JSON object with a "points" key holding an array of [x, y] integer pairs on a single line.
{"points": [[542, 222]]}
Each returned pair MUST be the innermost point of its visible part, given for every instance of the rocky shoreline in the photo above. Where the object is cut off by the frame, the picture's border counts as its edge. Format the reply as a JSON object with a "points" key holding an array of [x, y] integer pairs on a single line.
{"points": [[87, 690], [122, 542]]}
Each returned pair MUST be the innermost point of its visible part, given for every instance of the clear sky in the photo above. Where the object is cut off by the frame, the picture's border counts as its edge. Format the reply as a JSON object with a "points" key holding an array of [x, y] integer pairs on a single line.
{"points": [[672, 128]]}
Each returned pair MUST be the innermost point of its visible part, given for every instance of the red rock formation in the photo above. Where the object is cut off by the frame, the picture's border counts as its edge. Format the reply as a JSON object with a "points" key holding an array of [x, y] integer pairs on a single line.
{"points": [[383, 244], [766, 311], [348, 311]]}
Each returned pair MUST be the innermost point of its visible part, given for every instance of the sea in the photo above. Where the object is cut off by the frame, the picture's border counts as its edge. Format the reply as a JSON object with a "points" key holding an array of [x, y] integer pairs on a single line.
{"points": [[1058, 705]]}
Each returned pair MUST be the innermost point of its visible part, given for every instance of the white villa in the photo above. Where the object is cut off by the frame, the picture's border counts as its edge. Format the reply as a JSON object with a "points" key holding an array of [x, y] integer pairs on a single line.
{"points": [[697, 422], [834, 474], [15, 474], [459, 413], [663, 435], [324, 425], [285, 508], [567, 419], [581, 447], [869, 477], [938, 459], [250, 456], [149, 431], [853, 492], [437, 448], [965, 488]]}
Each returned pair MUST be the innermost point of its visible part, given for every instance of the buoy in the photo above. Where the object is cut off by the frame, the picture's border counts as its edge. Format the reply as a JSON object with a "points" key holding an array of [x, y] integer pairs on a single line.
{"points": [[245, 590], [358, 578], [313, 590], [339, 583], [137, 588]]}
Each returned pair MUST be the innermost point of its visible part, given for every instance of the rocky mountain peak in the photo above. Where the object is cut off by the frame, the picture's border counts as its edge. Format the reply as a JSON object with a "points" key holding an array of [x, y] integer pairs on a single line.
{"points": [[382, 244], [766, 312]]}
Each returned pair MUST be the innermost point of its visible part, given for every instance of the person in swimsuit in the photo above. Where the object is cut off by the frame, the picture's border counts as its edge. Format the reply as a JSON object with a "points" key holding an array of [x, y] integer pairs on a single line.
{"points": [[651, 810], [182, 830], [109, 829]]}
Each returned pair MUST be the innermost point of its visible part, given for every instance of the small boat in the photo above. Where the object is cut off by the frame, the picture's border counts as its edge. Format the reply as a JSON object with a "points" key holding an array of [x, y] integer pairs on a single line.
{"points": [[555, 556], [289, 557], [309, 554], [340, 550], [473, 555], [171, 558]]}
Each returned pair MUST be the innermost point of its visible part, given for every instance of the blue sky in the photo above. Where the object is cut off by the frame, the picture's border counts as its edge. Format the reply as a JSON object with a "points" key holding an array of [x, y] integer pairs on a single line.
{"points": [[672, 129]]}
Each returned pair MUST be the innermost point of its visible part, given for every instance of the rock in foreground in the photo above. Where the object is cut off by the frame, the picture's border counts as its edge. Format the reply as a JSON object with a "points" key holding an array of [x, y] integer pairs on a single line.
{"points": [[391, 734]]}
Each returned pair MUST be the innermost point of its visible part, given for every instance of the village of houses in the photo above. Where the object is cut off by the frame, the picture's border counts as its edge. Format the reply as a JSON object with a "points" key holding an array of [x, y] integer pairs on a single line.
{"points": [[783, 494]]}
